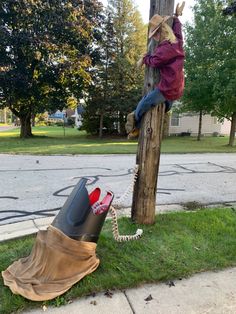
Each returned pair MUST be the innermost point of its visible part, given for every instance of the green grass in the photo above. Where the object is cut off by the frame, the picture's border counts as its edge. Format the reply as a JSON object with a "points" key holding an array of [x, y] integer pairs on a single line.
{"points": [[178, 245], [51, 140]]}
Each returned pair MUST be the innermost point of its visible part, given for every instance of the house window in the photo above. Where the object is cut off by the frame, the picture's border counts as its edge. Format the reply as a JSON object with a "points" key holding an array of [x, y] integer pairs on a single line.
{"points": [[174, 119]]}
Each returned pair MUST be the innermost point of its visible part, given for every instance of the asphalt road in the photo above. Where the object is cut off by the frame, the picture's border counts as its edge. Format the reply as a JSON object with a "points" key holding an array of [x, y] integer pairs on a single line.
{"points": [[36, 186]]}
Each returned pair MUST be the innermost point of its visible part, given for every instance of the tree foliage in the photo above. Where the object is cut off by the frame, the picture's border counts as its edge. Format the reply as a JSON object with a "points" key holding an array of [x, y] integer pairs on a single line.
{"points": [[99, 98], [117, 83], [211, 63], [45, 54]]}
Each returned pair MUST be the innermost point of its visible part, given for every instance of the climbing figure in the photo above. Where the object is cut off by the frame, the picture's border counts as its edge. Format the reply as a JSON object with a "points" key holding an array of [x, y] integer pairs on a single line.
{"points": [[168, 58]]}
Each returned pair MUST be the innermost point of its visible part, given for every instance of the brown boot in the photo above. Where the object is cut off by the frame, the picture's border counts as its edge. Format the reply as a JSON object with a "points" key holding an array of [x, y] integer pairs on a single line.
{"points": [[130, 124], [133, 134]]}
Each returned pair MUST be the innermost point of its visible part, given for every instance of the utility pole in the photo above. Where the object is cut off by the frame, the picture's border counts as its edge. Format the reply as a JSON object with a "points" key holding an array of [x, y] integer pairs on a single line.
{"points": [[149, 144]]}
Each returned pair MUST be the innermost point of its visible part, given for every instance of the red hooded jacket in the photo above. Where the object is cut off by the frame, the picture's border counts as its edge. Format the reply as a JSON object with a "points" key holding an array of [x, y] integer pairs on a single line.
{"points": [[169, 59]]}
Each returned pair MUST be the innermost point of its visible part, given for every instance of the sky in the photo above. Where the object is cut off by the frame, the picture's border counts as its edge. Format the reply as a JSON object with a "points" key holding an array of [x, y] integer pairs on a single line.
{"points": [[144, 5]]}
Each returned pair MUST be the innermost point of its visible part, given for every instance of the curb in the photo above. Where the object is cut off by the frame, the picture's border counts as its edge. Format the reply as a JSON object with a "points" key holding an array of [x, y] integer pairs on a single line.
{"points": [[23, 228], [28, 227]]}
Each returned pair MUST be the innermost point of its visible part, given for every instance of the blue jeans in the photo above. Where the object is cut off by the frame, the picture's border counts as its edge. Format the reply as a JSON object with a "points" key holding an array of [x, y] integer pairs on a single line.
{"points": [[153, 98]]}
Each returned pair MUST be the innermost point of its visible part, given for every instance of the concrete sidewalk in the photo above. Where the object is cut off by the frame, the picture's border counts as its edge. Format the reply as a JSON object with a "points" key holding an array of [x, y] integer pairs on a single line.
{"points": [[209, 292]]}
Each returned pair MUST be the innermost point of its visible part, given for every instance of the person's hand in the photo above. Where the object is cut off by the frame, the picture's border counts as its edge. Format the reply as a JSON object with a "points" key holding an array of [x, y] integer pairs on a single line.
{"points": [[140, 61], [179, 9]]}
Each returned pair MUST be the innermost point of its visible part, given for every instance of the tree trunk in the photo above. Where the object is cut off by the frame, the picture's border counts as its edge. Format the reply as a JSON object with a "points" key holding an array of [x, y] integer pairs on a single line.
{"points": [[101, 125], [232, 130], [199, 126], [122, 123], [33, 120], [4, 115], [25, 129], [149, 145]]}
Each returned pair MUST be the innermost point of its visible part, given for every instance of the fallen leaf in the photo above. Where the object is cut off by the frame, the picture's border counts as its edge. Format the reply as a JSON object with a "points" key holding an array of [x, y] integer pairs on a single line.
{"points": [[93, 302], [149, 298], [171, 283], [108, 293]]}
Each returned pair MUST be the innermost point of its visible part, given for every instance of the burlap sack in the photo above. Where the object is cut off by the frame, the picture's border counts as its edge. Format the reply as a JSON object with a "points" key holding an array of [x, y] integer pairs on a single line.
{"points": [[56, 263]]}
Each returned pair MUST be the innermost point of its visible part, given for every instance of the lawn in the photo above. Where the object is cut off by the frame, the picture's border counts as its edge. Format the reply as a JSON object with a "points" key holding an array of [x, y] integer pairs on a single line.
{"points": [[178, 245], [51, 140]]}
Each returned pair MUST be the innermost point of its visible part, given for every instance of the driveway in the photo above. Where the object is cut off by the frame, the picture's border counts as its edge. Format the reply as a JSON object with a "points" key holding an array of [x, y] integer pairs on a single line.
{"points": [[36, 186], [7, 127]]}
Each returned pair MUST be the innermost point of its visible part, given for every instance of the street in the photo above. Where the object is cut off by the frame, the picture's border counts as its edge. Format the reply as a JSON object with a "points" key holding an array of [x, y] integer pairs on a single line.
{"points": [[37, 186]]}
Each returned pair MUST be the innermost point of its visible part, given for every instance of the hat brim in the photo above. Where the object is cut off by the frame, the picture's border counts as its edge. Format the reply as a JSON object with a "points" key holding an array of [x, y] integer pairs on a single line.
{"points": [[165, 18]]}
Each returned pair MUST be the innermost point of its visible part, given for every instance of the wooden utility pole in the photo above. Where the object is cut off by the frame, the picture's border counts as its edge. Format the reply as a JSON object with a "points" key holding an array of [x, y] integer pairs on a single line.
{"points": [[149, 145]]}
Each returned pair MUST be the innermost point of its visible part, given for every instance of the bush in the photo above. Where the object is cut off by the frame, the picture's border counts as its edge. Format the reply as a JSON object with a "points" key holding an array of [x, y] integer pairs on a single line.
{"points": [[55, 123], [50, 123], [185, 134], [59, 123], [41, 123], [70, 122]]}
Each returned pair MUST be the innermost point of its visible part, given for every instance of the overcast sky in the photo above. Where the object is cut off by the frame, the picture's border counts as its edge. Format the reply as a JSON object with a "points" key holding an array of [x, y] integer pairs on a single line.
{"points": [[144, 5]]}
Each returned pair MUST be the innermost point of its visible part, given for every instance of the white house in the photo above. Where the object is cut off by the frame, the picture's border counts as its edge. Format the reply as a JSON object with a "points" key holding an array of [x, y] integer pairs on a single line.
{"points": [[188, 123]]}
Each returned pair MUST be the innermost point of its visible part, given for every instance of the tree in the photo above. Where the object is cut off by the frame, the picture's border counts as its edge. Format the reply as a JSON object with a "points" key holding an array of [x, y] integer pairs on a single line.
{"points": [[117, 83], [45, 54], [130, 42], [198, 94], [210, 63], [200, 59], [99, 109], [224, 73]]}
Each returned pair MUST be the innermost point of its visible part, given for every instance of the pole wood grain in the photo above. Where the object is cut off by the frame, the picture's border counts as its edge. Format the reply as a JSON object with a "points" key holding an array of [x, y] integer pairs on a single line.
{"points": [[149, 144]]}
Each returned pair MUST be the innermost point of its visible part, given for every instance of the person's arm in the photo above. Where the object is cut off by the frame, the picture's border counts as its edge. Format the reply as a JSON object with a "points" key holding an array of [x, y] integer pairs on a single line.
{"points": [[177, 28], [161, 56]]}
